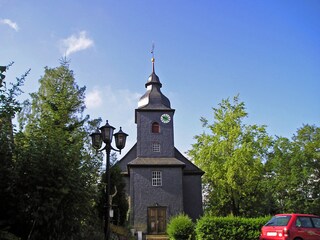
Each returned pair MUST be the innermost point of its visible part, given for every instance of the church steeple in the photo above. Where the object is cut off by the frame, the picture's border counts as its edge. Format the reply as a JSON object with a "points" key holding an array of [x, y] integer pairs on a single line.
{"points": [[154, 119], [160, 181], [153, 98]]}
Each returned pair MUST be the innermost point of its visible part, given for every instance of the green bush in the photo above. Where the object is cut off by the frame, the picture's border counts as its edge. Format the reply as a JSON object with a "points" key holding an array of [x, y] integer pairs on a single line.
{"points": [[4, 235], [229, 228], [180, 227]]}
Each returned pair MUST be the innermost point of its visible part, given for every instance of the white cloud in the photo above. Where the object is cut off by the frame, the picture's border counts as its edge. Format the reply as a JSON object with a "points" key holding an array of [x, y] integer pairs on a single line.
{"points": [[76, 43], [93, 99], [116, 99], [10, 23], [122, 99]]}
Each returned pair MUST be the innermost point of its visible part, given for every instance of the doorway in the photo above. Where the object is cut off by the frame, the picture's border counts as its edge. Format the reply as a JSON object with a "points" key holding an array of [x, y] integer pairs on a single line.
{"points": [[157, 220]]}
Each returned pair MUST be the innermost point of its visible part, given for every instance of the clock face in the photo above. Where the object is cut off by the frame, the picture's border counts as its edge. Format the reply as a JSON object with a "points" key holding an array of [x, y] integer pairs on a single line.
{"points": [[165, 118]]}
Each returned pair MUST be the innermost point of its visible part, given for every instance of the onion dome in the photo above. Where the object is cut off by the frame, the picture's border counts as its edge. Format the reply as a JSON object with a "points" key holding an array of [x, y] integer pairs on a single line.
{"points": [[153, 98]]}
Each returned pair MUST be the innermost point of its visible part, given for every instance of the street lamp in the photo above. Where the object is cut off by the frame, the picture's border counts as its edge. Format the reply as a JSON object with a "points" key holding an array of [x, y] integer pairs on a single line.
{"points": [[105, 134], [2, 76]]}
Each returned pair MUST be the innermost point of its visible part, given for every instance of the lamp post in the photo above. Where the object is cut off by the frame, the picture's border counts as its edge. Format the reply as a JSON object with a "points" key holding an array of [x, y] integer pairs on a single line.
{"points": [[105, 134]]}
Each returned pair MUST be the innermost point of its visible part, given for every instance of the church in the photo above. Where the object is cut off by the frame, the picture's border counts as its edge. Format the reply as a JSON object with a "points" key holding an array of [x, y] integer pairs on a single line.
{"points": [[160, 181]]}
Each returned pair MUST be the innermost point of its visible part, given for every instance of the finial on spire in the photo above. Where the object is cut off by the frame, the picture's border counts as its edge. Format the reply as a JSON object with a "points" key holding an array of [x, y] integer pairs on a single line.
{"points": [[152, 59], [152, 52]]}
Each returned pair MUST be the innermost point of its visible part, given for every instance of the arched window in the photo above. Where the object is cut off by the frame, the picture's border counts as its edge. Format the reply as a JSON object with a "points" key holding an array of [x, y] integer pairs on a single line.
{"points": [[155, 127]]}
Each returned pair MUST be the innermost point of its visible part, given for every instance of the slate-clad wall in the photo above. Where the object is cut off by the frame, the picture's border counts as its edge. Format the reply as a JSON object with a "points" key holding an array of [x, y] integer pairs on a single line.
{"points": [[145, 137], [131, 155], [192, 196], [144, 195]]}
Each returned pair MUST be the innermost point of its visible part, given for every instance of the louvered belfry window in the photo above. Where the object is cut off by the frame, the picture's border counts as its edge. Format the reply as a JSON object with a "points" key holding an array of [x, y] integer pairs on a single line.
{"points": [[155, 127]]}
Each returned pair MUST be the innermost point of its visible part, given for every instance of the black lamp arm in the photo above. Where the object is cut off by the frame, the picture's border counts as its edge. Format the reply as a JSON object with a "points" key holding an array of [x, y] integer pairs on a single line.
{"points": [[111, 148]]}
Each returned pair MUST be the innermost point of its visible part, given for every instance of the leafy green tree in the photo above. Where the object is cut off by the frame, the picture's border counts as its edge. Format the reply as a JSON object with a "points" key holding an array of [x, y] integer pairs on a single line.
{"points": [[293, 172], [57, 171], [308, 140], [231, 153], [278, 177]]}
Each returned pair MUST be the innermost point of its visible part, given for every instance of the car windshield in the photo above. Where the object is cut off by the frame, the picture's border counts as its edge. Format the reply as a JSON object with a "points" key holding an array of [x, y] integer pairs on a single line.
{"points": [[278, 221]]}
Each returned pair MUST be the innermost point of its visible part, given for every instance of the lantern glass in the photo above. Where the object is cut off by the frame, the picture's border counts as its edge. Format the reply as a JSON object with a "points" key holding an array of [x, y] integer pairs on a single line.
{"points": [[96, 139], [107, 133], [120, 138], [3, 68]]}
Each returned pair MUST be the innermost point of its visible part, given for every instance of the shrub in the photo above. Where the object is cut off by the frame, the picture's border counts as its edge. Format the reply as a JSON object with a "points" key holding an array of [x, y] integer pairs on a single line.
{"points": [[180, 227], [4, 235], [229, 228]]}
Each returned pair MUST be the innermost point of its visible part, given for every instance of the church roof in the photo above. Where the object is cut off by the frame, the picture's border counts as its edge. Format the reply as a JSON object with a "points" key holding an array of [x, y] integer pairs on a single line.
{"points": [[156, 161], [153, 98], [131, 160]]}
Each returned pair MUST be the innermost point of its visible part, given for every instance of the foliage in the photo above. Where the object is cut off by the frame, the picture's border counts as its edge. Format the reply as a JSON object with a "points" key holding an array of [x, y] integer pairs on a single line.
{"points": [[56, 170], [247, 173], [180, 227], [229, 228], [119, 201], [292, 170], [5, 235], [9, 106], [232, 156]]}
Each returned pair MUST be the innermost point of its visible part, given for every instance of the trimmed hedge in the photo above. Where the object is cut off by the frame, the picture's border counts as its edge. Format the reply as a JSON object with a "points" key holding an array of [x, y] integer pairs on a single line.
{"points": [[229, 228]]}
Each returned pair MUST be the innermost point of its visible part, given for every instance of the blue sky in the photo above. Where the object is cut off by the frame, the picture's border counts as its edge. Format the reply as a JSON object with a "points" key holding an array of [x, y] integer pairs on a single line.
{"points": [[268, 52]]}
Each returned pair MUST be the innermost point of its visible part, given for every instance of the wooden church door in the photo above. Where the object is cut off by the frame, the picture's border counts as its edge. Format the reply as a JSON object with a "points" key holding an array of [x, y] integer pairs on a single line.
{"points": [[157, 220]]}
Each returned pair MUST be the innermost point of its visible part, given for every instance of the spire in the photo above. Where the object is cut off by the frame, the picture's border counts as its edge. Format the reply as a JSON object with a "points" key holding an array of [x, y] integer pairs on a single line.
{"points": [[153, 78], [153, 98], [152, 59]]}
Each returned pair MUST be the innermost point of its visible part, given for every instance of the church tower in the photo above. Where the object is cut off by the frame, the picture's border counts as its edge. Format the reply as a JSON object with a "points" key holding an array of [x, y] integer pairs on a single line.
{"points": [[154, 119]]}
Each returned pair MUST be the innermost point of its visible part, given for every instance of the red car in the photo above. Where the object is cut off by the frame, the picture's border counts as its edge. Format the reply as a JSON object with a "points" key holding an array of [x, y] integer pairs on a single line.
{"points": [[292, 227]]}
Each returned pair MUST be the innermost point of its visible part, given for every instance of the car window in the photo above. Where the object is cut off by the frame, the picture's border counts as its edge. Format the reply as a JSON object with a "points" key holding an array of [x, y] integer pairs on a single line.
{"points": [[278, 221], [304, 222], [316, 222]]}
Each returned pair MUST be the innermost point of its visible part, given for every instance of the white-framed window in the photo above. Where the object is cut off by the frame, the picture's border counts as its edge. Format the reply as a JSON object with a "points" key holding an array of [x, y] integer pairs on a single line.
{"points": [[156, 178], [155, 147]]}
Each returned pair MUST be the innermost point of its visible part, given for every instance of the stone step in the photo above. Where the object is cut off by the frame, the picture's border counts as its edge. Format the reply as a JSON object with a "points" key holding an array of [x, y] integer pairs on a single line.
{"points": [[157, 237]]}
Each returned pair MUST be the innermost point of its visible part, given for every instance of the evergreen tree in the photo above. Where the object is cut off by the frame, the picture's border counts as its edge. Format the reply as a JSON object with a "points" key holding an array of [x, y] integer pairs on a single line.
{"points": [[9, 107], [57, 172]]}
